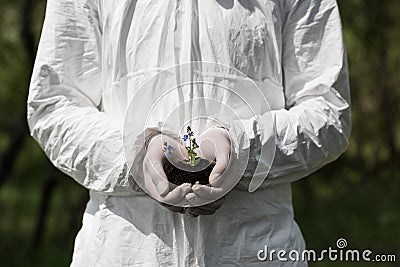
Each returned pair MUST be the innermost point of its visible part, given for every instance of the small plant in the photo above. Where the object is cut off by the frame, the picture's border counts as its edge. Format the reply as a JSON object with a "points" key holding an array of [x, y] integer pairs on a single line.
{"points": [[189, 139], [193, 158], [179, 173]]}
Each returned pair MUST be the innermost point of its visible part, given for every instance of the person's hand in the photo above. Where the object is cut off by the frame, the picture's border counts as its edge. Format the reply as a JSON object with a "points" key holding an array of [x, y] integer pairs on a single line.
{"points": [[214, 145], [207, 209], [155, 181]]}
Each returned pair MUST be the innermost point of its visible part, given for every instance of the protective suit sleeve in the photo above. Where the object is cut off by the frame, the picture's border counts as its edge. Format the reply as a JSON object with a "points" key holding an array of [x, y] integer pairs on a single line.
{"points": [[65, 96], [314, 128]]}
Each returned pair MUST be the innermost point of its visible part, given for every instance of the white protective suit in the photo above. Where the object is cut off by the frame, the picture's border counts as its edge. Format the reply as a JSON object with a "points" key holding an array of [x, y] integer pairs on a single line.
{"points": [[92, 54]]}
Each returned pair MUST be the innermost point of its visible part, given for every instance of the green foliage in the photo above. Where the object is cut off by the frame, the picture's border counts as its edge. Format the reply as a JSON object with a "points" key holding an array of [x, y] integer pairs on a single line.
{"points": [[355, 197]]}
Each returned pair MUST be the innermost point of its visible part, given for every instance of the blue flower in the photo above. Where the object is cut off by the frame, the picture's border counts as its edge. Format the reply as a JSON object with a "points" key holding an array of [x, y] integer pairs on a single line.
{"points": [[168, 149], [185, 137]]}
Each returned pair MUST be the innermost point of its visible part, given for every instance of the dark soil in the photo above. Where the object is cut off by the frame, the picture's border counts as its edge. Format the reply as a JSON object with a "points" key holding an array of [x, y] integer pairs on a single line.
{"points": [[178, 175]]}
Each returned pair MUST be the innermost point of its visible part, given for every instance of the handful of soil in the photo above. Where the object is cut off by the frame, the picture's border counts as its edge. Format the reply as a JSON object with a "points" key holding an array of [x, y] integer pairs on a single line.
{"points": [[179, 175]]}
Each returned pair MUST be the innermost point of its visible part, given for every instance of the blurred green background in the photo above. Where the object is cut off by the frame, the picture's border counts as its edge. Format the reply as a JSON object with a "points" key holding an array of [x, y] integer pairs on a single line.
{"points": [[357, 197]]}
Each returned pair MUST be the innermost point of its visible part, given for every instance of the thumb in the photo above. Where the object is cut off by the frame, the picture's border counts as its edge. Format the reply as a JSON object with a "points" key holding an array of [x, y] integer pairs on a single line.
{"points": [[159, 178], [221, 163]]}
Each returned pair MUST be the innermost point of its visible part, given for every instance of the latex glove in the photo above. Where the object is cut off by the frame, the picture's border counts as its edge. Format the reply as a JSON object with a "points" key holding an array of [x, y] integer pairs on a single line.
{"points": [[214, 145], [155, 180], [207, 209]]}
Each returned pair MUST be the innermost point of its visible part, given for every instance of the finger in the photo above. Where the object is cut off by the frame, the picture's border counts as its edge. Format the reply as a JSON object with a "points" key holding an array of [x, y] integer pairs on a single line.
{"points": [[195, 200], [150, 187], [177, 194], [158, 176], [221, 163], [207, 192]]}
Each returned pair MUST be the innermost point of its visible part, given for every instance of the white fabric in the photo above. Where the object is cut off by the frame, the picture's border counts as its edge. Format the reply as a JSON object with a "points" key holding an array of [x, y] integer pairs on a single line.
{"points": [[94, 53]]}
